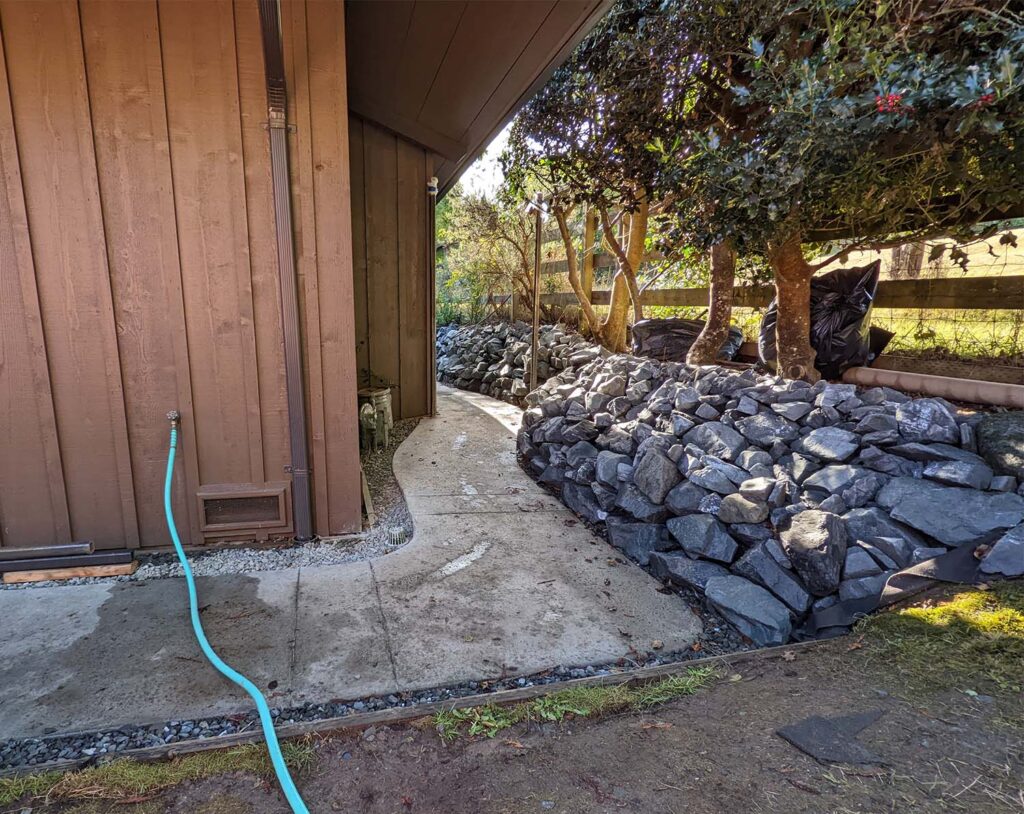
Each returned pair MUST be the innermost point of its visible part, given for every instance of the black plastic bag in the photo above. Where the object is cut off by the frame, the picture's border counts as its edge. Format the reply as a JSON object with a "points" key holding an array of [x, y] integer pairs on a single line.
{"points": [[668, 340], [840, 321]]}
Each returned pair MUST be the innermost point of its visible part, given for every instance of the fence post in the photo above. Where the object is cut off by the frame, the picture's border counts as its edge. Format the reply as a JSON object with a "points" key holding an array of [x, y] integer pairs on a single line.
{"points": [[535, 345], [589, 257]]}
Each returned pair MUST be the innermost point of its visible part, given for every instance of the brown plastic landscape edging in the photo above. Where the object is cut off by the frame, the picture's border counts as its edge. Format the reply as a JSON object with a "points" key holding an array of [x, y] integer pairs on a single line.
{"points": [[395, 715], [971, 391]]}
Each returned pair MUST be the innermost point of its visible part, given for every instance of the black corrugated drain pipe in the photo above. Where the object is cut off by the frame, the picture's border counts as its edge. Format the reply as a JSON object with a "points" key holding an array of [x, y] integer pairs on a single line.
{"points": [[277, 125]]}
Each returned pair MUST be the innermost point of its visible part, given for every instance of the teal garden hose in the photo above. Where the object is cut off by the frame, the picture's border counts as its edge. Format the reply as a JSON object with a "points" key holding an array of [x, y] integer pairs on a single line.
{"points": [[284, 778]]}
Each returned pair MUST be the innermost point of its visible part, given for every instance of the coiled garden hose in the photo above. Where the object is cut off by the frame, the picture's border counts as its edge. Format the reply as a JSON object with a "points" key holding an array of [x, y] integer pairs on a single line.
{"points": [[273, 747]]}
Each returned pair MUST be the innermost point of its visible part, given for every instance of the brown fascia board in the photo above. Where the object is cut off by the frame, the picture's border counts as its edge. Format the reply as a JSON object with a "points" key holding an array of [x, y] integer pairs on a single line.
{"points": [[462, 164]]}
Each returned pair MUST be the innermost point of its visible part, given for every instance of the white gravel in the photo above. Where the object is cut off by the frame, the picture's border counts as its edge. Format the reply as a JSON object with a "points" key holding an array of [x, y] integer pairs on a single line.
{"points": [[392, 530]]}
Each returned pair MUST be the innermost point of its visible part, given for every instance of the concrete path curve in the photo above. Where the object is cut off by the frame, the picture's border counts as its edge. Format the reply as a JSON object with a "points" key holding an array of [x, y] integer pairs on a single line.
{"points": [[499, 579]]}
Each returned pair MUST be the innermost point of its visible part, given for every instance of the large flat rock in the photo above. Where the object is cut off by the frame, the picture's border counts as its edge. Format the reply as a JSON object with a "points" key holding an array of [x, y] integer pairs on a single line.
{"points": [[950, 514]]}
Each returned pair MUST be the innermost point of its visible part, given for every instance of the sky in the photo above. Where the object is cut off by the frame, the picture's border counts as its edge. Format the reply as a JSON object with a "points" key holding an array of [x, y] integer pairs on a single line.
{"points": [[484, 175]]}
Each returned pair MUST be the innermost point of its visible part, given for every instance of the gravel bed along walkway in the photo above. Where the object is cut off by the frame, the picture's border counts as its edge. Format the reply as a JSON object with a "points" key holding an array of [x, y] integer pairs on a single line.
{"points": [[392, 530], [717, 639]]}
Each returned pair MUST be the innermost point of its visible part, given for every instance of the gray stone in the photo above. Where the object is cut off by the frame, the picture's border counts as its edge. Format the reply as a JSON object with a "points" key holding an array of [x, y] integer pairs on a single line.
{"points": [[950, 514], [803, 467], [925, 553], [655, 475], [761, 471], [927, 420], [582, 500], [684, 498], [713, 479], [833, 394], [878, 423], [859, 564], [607, 464], [633, 501], [1006, 557], [1001, 442], [1003, 483], [580, 452], [716, 439], [959, 473], [830, 444], [747, 406], [759, 566], [580, 431], [863, 587], [750, 458], [834, 479], [764, 429], [750, 608], [793, 410], [686, 399], [879, 556], [815, 543], [616, 440], [750, 533], [610, 385], [862, 490], [737, 509], [834, 504], [638, 540], [968, 437], [596, 402], [681, 424], [871, 524], [935, 452], [707, 412], [605, 495], [701, 535], [731, 471], [684, 571], [710, 504], [893, 465], [757, 488]]}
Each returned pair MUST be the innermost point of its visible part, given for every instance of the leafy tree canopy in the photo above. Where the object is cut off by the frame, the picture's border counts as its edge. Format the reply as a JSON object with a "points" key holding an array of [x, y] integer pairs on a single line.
{"points": [[852, 118]]}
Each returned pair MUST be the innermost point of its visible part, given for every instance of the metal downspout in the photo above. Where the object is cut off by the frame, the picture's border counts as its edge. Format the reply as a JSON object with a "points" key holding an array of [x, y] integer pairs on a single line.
{"points": [[273, 64]]}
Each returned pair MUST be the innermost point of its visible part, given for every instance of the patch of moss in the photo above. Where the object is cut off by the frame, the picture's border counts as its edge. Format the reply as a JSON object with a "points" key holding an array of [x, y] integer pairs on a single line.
{"points": [[972, 641], [126, 779], [593, 701]]}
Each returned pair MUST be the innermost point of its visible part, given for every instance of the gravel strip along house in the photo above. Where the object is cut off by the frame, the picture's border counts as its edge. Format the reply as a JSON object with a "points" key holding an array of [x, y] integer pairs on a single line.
{"points": [[775, 499]]}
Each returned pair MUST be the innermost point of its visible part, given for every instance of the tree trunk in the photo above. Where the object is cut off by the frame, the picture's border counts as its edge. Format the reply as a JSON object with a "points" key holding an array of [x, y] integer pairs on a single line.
{"points": [[613, 329], [631, 255], [704, 350], [793, 327], [593, 320]]}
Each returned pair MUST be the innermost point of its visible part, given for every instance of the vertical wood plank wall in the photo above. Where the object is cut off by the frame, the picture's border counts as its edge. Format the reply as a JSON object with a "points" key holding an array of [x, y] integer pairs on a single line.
{"points": [[138, 268], [391, 249]]}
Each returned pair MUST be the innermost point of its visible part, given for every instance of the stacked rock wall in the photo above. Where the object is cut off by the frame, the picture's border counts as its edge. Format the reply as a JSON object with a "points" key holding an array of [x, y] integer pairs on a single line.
{"points": [[773, 498], [495, 359]]}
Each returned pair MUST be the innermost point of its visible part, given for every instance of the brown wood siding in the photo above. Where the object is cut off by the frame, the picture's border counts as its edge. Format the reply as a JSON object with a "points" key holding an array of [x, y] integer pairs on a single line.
{"points": [[138, 268], [391, 247]]}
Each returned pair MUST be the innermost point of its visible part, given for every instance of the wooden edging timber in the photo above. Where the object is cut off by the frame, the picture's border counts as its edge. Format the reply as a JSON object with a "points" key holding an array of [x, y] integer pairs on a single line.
{"points": [[397, 715]]}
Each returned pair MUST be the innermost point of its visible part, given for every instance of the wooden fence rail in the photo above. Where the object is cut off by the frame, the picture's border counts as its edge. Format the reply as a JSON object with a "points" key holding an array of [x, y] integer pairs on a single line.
{"points": [[974, 293]]}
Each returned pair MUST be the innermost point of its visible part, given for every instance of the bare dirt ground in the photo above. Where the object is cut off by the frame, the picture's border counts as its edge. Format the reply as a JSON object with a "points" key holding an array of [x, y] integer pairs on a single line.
{"points": [[716, 751]]}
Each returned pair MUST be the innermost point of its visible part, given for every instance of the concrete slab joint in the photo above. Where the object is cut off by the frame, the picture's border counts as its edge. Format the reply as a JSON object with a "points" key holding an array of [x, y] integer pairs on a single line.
{"points": [[492, 584]]}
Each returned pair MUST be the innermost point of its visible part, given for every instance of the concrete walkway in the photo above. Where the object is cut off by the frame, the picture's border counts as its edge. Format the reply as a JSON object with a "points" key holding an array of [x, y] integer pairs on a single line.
{"points": [[499, 579]]}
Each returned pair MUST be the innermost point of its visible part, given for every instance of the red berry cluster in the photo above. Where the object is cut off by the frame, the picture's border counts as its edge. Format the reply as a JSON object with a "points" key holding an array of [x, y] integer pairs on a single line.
{"points": [[889, 103], [984, 100]]}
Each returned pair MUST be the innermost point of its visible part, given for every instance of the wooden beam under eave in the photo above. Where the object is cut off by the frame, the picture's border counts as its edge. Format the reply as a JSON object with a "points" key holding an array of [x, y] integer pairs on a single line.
{"points": [[407, 128]]}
